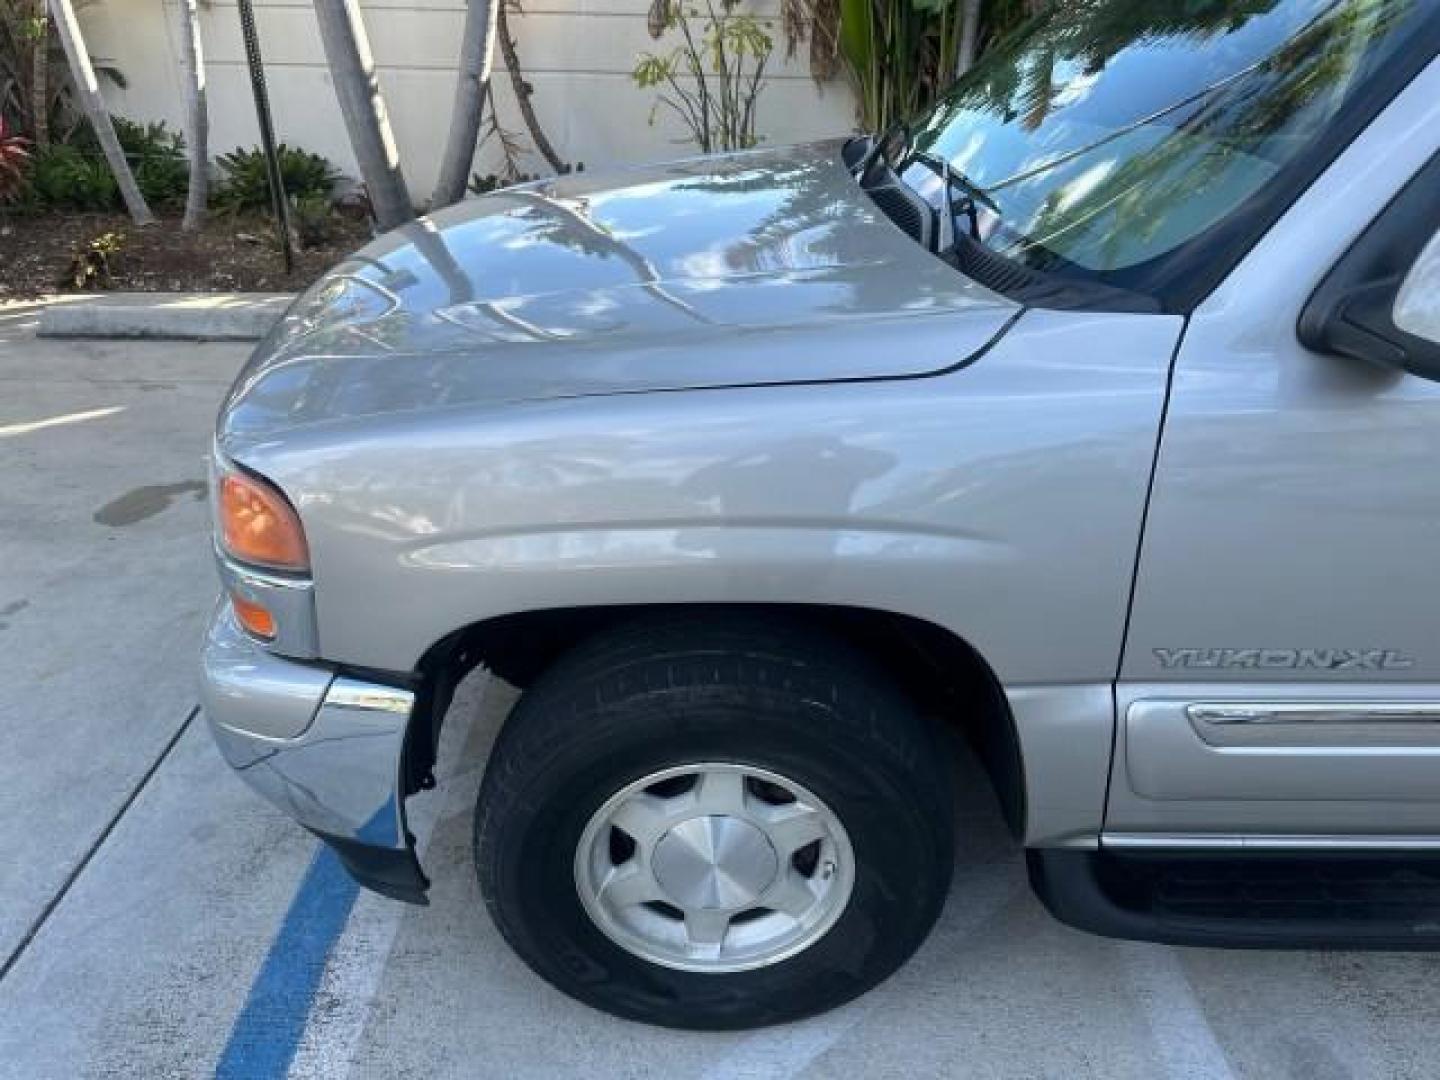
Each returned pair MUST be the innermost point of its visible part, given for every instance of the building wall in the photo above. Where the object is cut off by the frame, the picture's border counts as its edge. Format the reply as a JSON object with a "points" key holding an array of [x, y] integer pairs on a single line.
{"points": [[578, 54]]}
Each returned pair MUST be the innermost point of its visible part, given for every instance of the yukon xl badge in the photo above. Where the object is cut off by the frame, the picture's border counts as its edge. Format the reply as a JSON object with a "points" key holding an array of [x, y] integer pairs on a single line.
{"points": [[1286, 659]]}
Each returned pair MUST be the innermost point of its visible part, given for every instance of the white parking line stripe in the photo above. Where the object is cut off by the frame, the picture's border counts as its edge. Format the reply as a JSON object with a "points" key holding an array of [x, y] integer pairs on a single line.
{"points": [[358, 960], [56, 421], [783, 1052], [1183, 1038], [780, 1053]]}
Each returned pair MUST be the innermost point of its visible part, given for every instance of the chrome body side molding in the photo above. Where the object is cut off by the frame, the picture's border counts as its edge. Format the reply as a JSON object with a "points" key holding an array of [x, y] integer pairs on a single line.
{"points": [[1312, 712], [1223, 843]]}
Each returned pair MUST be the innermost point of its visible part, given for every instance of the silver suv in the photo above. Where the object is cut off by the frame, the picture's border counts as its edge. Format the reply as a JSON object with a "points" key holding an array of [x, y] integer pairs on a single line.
{"points": [[1093, 417]]}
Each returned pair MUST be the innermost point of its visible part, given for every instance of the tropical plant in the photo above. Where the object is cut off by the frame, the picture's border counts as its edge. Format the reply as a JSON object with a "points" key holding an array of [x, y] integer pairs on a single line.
{"points": [[14, 164], [902, 54], [24, 34], [82, 74], [36, 99], [64, 177], [25, 51], [76, 176], [197, 119], [362, 106], [712, 79], [91, 266], [245, 184], [157, 155]]}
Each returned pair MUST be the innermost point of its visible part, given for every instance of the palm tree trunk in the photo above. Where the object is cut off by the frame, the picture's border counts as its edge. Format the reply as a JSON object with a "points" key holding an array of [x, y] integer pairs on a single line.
{"points": [[523, 90], [40, 78], [472, 87], [88, 90], [969, 36], [352, 69], [197, 119]]}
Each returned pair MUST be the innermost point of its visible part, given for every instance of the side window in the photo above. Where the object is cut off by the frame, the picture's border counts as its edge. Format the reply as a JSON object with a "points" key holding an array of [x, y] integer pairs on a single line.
{"points": [[1417, 308]]}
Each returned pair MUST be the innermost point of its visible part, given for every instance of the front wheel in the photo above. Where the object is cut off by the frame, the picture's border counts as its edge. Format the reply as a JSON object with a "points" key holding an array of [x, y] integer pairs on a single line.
{"points": [[714, 825]]}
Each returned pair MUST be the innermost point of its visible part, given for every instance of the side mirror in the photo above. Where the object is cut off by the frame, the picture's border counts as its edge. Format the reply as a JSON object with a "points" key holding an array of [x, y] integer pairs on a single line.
{"points": [[1381, 302], [1417, 308]]}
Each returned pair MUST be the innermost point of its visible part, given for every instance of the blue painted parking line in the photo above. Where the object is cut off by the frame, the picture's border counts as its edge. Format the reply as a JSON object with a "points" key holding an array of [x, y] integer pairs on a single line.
{"points": [[269, 1028]]}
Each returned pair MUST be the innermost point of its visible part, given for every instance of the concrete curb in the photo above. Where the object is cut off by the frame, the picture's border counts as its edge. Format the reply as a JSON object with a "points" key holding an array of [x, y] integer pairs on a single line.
{"points": [[183, 316]]}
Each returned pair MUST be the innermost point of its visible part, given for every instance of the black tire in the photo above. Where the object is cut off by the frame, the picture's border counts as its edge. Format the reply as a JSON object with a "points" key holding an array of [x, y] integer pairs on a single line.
{"points": [[672, 690]]}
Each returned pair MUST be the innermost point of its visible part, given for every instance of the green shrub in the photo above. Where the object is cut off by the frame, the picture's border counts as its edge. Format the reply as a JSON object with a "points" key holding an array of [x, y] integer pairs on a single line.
{"points": [[139, 139], [313, 219], [76, 176], [66, 178], [244, 186], [156, 155], [163, 181]]}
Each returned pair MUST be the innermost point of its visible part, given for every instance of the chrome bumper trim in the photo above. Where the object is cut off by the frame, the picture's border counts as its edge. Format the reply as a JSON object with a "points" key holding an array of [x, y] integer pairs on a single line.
{"points": [[1225, 842], [290, 600], [340, 773], [246, 689]]}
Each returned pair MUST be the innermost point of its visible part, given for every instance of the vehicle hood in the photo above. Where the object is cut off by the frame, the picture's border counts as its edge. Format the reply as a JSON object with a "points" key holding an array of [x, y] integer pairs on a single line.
{"points": [[760, 268]]}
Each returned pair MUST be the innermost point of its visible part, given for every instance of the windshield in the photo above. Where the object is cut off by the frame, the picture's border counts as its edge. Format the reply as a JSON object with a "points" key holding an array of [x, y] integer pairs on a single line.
{"points": [[1109, 134]]}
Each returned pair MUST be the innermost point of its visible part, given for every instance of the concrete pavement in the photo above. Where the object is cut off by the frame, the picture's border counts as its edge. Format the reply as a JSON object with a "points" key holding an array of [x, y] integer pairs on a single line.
{"points": [[102, 473], [147, 897]]}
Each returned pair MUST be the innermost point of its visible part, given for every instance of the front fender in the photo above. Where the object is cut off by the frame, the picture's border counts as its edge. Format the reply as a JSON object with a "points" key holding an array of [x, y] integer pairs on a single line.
{"points": [[1002, 502]]}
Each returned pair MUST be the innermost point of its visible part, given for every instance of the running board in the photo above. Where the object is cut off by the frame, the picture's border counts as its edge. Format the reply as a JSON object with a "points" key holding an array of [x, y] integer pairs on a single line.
{"points": [[1246, 899]]}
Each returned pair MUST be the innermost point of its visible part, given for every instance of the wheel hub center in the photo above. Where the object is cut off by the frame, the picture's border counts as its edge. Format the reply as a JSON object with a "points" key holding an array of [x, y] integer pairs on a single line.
{"points": [[717, 862]]}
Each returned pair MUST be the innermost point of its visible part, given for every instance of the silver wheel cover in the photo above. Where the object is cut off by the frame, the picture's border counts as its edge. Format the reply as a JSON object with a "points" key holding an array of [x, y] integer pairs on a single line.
{"points": [[714, 867]]}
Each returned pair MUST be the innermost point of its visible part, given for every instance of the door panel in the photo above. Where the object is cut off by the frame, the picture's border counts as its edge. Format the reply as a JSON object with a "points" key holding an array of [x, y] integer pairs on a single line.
{"points": [[1362, 759], [1173, 752], [1289, 552]]}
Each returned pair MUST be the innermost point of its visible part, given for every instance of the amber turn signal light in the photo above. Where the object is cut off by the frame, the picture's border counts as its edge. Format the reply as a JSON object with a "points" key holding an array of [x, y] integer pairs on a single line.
{"points": [[253, 617], [258, 526]]}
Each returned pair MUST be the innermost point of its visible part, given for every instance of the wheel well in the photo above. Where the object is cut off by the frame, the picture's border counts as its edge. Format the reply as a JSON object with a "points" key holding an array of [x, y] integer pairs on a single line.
{"points": [[948, 678]]}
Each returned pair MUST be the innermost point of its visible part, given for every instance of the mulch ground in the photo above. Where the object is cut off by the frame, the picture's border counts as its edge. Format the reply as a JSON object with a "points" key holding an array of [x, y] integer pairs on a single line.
{"points": [[229, 254]]}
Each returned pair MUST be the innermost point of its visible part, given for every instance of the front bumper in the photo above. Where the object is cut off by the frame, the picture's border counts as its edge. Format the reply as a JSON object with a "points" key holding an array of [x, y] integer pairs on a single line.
{"points": [[327, 749]]}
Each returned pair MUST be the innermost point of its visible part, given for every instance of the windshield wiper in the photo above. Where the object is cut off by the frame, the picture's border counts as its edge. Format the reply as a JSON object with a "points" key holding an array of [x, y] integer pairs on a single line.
{"points": [[971, 193], [895, 137], [894, 148]]}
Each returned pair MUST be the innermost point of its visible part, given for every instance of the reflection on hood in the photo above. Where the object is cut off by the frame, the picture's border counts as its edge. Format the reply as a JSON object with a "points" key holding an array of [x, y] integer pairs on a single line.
{"points": [[656, 278]]}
